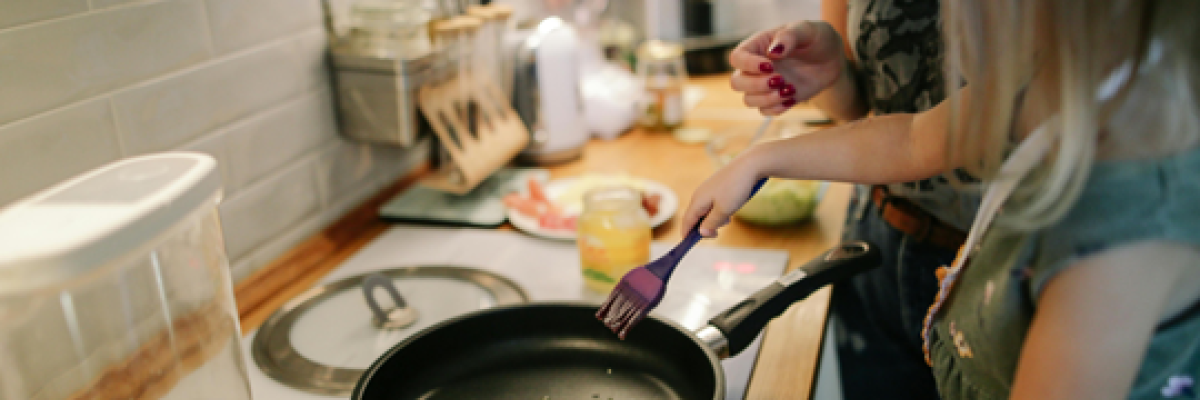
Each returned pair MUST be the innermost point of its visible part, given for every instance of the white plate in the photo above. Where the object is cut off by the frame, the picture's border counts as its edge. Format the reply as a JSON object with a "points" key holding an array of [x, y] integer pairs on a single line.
{"points": [[667, 206]]}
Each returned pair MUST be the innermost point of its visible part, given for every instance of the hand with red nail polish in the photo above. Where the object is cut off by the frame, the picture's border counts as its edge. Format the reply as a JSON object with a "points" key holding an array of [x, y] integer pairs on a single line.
{"points": [[795, 62], [776, 82], [787, 91]]}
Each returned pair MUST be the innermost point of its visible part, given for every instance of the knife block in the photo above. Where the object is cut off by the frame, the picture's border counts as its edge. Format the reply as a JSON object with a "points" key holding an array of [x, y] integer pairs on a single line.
{"points": [[476, 148]]}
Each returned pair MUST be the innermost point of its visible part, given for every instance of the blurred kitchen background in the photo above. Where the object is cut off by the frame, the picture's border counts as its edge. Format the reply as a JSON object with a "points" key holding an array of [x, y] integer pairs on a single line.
{"points": [[252, 82]]}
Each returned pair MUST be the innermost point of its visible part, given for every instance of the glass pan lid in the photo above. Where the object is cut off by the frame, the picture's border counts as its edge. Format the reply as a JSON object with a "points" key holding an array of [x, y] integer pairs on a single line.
{"points": [[323, 340]]}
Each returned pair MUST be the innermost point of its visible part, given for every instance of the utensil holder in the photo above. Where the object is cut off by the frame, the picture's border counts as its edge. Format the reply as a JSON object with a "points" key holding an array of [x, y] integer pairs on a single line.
{"points": [[377, 97]]}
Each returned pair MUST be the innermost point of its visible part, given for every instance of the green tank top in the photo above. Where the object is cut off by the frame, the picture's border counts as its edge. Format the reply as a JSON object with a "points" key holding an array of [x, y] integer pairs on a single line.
{"points": [[975, 339]]}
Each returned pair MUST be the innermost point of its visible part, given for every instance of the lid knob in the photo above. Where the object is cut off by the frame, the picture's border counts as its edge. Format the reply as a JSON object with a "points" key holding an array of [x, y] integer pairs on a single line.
{"points": [[398, 317]]}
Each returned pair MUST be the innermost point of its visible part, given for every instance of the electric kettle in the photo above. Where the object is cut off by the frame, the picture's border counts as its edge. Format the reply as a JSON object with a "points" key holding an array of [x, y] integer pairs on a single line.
{"points": [[115, 285], [546, 92]]}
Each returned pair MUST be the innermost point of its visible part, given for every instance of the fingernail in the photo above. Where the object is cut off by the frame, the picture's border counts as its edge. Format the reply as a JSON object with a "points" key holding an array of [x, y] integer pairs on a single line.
{"points": [[789, 102], [775, 82], [777, 49], [766, 67], [787, 90]]}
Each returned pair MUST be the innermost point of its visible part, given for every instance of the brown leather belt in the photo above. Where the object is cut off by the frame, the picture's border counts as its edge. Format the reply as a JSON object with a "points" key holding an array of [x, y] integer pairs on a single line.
{"points": [[906, 217]]}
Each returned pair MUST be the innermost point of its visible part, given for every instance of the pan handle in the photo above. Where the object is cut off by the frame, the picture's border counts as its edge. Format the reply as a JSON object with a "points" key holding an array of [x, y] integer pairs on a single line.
{"points": [[737, 327]]}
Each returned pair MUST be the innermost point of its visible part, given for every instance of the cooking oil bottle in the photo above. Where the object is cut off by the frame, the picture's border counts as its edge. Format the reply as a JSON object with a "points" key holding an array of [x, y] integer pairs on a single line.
{"points": [[614, 236]]}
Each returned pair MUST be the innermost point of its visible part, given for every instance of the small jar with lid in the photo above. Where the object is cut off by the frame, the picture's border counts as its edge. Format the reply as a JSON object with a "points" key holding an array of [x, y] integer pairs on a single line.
{"points": [[662, 72], [613, 237], [395, 29]]}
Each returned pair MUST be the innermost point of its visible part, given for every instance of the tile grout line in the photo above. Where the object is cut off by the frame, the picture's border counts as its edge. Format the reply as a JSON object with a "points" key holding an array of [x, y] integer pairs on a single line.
{"points": [[92, 9], [208, 29], [116, 121]]}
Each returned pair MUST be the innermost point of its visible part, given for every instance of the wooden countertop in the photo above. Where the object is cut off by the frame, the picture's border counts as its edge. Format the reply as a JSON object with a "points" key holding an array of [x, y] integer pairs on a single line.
{"points": [[788, 360]]}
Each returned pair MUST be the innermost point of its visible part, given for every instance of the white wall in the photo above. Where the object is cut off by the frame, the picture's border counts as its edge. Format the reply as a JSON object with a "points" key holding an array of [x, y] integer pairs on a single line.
{"points": [[86, 82]]}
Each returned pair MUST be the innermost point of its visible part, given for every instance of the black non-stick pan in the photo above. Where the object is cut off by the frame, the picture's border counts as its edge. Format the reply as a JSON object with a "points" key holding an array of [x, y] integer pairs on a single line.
{"points": [[560, 351]]}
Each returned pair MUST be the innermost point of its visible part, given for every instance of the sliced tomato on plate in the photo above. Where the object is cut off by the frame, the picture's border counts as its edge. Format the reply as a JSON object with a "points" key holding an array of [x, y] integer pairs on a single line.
{"points": [[650, 202], [524, 205], [554, 221]]}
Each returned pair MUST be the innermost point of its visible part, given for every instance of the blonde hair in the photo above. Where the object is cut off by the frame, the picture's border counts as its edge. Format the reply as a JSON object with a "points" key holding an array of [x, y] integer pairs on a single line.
{"points": [[1127, 68]]}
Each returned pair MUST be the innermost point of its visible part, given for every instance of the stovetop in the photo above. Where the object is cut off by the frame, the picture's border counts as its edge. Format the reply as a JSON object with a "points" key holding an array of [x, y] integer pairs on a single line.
{"points": [[709, 280]]}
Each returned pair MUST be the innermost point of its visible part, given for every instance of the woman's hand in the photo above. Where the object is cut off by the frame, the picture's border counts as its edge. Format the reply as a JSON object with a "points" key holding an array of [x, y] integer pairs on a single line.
{"points": [[722, 194], [778, 67]]}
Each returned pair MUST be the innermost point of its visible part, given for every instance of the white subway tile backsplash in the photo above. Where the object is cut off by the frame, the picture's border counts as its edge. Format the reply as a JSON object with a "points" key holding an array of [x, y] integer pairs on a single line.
{"points": [[39, 152], [86, 82], [48, 65], [347, 166], [250, 218], [237, 24], [214, 145], [396, 160], [270, 141], [16, 12], [171, 111], [343, 166], [282, 242]]}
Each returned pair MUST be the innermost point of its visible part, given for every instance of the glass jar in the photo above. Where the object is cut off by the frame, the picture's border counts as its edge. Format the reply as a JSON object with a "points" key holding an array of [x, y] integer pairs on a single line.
{"points": [[663, 74], [396, 29], [614, 236]]}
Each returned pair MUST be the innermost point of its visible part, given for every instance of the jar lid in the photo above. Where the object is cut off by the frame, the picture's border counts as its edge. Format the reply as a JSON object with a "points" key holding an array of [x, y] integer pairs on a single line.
{"points": [[660, 50], [462, 23], [322, 341], [101, 217]]}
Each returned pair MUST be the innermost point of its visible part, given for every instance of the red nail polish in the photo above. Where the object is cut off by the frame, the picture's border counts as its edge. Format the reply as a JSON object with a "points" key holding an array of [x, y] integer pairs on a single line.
{"points": [[787, 90], [777, 49], [789, 102], [775, 82], [766, 67]]}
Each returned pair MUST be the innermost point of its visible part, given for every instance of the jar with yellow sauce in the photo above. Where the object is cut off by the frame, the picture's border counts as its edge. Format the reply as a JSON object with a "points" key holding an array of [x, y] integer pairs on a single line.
{"points": [[614, 236]]}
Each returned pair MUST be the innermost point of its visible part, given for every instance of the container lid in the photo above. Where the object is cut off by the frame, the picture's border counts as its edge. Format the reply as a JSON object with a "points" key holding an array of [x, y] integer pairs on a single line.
{"points": [[80, 225], [325, 339]]}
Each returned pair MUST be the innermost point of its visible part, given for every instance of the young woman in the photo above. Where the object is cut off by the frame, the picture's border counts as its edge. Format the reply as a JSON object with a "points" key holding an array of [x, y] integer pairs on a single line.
{"points": [[1081, 278], [890, 62]]}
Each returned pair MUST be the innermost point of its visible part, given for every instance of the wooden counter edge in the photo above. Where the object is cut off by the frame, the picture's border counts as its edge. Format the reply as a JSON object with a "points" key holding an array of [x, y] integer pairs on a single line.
{"points": [[297, 270]]}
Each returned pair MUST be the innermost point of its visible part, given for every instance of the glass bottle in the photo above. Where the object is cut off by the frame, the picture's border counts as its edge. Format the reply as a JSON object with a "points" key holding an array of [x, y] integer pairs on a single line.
{"points": [[614, 236], [663, 74]]}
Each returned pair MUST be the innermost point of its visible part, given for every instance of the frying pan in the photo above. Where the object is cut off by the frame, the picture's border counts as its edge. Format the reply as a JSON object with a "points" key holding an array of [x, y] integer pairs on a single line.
{"points": [[560, 351]]}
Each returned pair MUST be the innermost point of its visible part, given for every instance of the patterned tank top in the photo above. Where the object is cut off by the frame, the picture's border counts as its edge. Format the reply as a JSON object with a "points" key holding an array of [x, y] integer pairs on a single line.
{"points": [[898, 47]]}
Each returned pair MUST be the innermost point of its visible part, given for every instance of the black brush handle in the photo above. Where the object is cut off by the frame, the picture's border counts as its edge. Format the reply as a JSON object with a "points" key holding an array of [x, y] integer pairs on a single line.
{"points": [[741, 323]]}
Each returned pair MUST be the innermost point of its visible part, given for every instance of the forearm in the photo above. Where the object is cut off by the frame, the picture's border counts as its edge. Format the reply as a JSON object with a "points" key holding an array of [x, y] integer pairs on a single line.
{"points": [[842, 101], [887, 149]]}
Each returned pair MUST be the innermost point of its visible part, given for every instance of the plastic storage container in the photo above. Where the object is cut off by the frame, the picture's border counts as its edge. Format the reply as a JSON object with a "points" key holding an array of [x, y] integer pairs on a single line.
{"points": [[115, 285]]}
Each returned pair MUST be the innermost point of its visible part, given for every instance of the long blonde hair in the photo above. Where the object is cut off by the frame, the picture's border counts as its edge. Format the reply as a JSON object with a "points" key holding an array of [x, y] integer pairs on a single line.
{"points": [[1146, 92]]}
